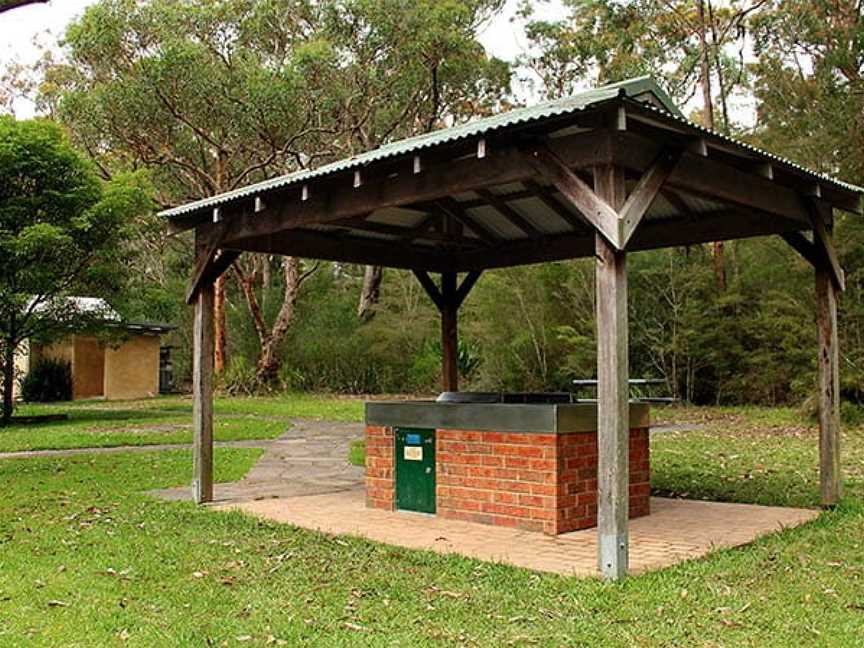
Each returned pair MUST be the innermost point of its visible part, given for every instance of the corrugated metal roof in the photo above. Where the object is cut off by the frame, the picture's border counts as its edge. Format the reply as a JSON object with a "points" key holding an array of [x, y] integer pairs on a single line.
{"points": [[538, 112], [636, 88], [678, 117]]}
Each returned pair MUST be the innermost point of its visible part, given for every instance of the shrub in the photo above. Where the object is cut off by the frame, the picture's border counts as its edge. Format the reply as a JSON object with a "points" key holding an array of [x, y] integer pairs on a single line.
{"points": [[48, 381], [238, 379]]}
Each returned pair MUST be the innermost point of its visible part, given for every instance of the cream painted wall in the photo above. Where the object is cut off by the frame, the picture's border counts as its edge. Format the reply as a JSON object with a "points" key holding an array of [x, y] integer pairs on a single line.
{"points": [[126, 372], [132, 369], [88, 368]]}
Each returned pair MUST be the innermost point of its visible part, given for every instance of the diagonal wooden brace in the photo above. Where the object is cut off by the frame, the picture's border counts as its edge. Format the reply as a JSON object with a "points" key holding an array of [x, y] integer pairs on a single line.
{"points": [[596, 210], [802, 246], [824, 244], [442, 298], [641, 198], [431, 289], [211, 262]]}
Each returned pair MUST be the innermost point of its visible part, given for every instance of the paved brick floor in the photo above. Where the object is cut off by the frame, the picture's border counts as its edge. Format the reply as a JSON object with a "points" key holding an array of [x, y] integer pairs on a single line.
{"points": [[676, 530]]}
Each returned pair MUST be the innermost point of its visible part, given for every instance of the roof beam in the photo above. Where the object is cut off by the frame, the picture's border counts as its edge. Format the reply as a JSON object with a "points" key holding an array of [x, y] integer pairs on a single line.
{"points": [[641, 198], [349, 249], [454, 210], [401, 233], [676, 201], [500, 166], [420, 228], [713, 179], [598, 212], [715, 226]]}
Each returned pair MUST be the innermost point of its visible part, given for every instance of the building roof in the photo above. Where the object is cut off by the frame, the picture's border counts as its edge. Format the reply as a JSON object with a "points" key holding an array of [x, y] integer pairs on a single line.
{"points": [[643, 89], [99, 307]]}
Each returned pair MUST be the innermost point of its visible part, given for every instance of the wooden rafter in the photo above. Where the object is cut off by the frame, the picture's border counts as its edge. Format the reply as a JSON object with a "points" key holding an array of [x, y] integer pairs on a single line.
{"points": [[675, 199], [420, 228], [454, 210], [327, 246], [712, 179], [500, 205], [404, 233], [545, 196], [447, 178]]}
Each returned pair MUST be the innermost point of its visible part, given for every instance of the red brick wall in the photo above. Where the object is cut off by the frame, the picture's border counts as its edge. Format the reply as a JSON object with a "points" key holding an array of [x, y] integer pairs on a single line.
{"points": [[577, 479], [505, 479], [536, 482], [640, 473], [380, 477]]}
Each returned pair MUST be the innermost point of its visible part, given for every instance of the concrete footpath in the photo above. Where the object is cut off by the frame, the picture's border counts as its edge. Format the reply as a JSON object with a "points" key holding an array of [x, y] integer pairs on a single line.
{"points": [[310, 459]]}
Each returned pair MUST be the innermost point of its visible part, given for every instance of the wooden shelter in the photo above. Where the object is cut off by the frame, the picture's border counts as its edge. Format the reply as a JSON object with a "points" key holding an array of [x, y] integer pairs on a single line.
{"points": [[610, 171]]}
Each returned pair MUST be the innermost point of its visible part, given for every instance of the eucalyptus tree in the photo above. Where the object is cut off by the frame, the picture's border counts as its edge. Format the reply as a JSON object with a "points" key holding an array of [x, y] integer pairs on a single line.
{"points": [[210, 96], [409, 68], [207, 96], [809, 88], [695, 46]]}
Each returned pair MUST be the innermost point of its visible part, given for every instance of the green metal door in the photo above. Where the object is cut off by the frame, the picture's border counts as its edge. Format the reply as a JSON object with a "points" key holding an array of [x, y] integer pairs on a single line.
{"points": [[415, 470]]}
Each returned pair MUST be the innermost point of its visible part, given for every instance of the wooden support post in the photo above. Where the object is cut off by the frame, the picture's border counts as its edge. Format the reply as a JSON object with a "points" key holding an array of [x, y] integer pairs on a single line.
{"points": [[613, 409], [829, 385], [448, 299], [449, 332], [202, 391]]}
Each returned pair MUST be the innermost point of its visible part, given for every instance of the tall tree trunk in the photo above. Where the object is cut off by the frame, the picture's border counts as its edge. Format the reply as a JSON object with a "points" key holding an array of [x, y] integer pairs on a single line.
{"points": [[718, 66], [268, 359], [705, 69], [8, 379], [370, 295], [708, 119], [220, 336]]}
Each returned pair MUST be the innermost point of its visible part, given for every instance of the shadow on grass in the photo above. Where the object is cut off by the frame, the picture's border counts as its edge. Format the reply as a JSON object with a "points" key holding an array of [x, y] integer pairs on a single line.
{"points": [[78, 417], [772, 489]]}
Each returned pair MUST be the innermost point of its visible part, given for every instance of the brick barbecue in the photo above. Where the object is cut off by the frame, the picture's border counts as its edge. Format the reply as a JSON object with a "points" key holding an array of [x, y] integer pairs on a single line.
{"points": [[540, 478]]}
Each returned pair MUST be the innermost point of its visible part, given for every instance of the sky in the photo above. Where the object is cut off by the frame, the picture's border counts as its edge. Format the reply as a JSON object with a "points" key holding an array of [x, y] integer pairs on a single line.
{"points": [[44, 23]]}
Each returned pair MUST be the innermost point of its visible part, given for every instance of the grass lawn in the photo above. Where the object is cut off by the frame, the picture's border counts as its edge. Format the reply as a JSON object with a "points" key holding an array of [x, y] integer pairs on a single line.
{"points": [[87, 560], [102, 424]]}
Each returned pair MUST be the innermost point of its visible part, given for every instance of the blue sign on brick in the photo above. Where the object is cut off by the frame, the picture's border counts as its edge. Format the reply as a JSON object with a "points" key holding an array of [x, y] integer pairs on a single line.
{"points": [[413, 439]]}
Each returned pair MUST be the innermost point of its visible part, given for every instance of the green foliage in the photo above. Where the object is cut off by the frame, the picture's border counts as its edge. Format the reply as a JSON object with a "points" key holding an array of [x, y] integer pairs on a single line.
{"points": [[49, 381], [238, 379], [209, 96], [62, 234], [357, 453]]}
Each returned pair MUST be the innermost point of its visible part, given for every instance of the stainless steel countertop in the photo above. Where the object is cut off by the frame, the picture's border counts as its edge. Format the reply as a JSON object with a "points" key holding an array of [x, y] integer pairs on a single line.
{"points": [[553, 418]]}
